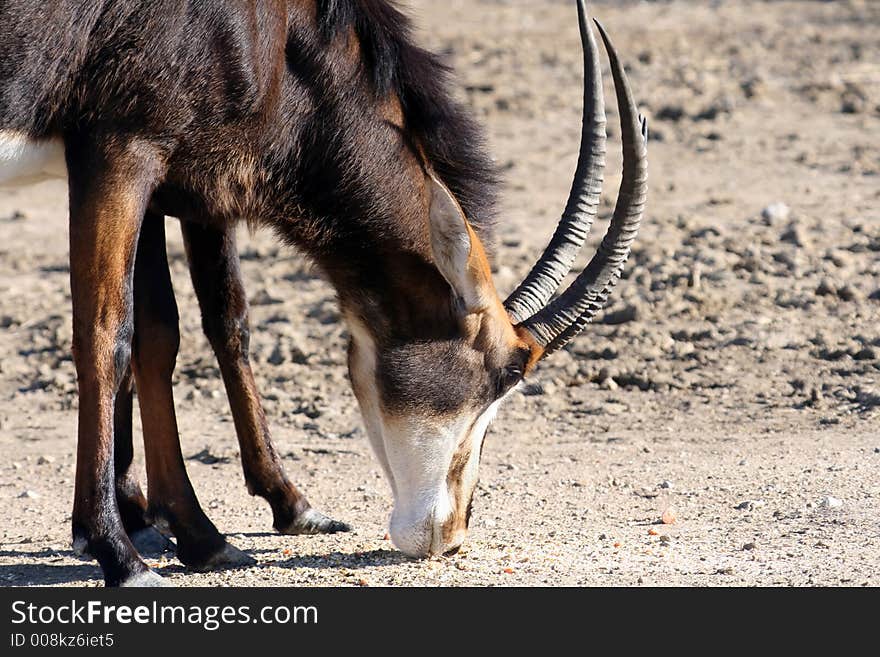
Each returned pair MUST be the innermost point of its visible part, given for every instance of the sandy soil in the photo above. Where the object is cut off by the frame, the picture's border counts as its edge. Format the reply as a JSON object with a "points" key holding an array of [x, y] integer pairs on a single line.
{"points": [[734, 379]]}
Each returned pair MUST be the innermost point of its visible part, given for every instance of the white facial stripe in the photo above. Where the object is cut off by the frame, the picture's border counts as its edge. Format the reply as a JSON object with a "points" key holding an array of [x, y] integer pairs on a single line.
{"points": [[363, 372], [472, 470], [24, 160]]}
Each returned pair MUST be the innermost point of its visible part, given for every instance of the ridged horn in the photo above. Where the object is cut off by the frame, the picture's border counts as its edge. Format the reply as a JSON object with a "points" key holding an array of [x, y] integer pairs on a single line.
{"points": [[582, 206], [566, 316]]}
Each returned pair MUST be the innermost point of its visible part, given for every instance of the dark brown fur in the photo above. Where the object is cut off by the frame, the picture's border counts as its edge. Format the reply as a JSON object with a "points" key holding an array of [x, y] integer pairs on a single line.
{"points": [[310, 118]]}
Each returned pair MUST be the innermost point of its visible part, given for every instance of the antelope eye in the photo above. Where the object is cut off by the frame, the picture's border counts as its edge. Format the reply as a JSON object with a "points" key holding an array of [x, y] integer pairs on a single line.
{"points": [[508, 377]]}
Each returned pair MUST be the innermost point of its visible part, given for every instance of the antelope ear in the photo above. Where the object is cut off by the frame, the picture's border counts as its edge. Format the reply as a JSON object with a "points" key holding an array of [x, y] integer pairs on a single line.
{"points": [[457, 250]]}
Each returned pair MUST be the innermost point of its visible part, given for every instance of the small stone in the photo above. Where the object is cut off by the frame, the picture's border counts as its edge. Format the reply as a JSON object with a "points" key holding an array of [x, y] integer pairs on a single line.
{"points": [[665, 538], [277, 356], [825, 288], [829, 502], [750, 546], [847, 293], [672, 113], [794, 235], [775, 212], [29, 495], [750, 505], [630, 313], [265, 298], [669, 517], [609, 384], [853, 104], [298, 356], [695, 277], [45, 460], [666, 484], [724, 571], [866, 353]]}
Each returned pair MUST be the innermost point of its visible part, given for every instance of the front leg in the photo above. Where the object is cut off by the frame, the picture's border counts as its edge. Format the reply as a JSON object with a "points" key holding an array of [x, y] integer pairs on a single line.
{"points": [[216, 276], [110, 183]]}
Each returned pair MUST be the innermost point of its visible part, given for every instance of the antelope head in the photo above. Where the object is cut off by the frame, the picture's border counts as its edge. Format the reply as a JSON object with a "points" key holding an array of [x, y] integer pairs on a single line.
{"points": [[428, 397]]}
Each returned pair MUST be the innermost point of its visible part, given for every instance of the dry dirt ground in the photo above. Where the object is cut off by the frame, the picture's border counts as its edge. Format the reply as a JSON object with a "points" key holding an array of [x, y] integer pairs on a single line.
{"points": [[734, 379]]}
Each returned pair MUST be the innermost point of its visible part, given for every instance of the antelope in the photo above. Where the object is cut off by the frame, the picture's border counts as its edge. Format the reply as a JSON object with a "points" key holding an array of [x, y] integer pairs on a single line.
{"points": [[323, 121]]}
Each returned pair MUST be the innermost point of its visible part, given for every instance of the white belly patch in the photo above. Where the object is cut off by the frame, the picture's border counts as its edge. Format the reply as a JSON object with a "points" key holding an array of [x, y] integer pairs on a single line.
{"points": [[24, 160]]}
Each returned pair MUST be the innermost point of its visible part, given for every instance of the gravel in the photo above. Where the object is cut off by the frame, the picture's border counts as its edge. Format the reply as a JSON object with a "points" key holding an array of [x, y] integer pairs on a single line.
{"points": [[733, 376]]}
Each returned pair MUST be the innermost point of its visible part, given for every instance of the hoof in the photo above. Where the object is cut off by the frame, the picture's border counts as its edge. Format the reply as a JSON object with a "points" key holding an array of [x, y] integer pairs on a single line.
{"points": [[145, 579], [315, 522], [227, 557], [151, 543]]}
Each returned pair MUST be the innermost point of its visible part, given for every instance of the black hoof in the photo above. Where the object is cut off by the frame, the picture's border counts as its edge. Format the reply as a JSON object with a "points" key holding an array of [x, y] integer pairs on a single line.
{"points": [[145, 579], [225, 558], [314, 522], [150, 542]]}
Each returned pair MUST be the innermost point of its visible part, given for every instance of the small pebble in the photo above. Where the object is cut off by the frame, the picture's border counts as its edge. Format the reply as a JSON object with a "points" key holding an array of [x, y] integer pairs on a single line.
{"points": [[45, 460], [29, 495], [847, 293], [829, 502], [775, 212], [666, 484], [277, 356], [825, 288], [750, 546], [865, 353], [608, 384], [750, 505]]}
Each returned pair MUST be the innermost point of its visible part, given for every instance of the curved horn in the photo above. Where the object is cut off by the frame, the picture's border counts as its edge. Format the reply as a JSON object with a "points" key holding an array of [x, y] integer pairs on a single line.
{"points": [[553, 326], [582, 206]]}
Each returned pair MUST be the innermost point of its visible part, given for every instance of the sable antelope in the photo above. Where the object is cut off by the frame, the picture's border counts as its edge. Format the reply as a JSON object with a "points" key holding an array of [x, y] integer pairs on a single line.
{"points": [[323, 121]]}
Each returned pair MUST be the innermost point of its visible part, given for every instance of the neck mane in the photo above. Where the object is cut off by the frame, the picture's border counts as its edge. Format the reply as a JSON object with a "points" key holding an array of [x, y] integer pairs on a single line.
{"points": [[373, 103]]}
